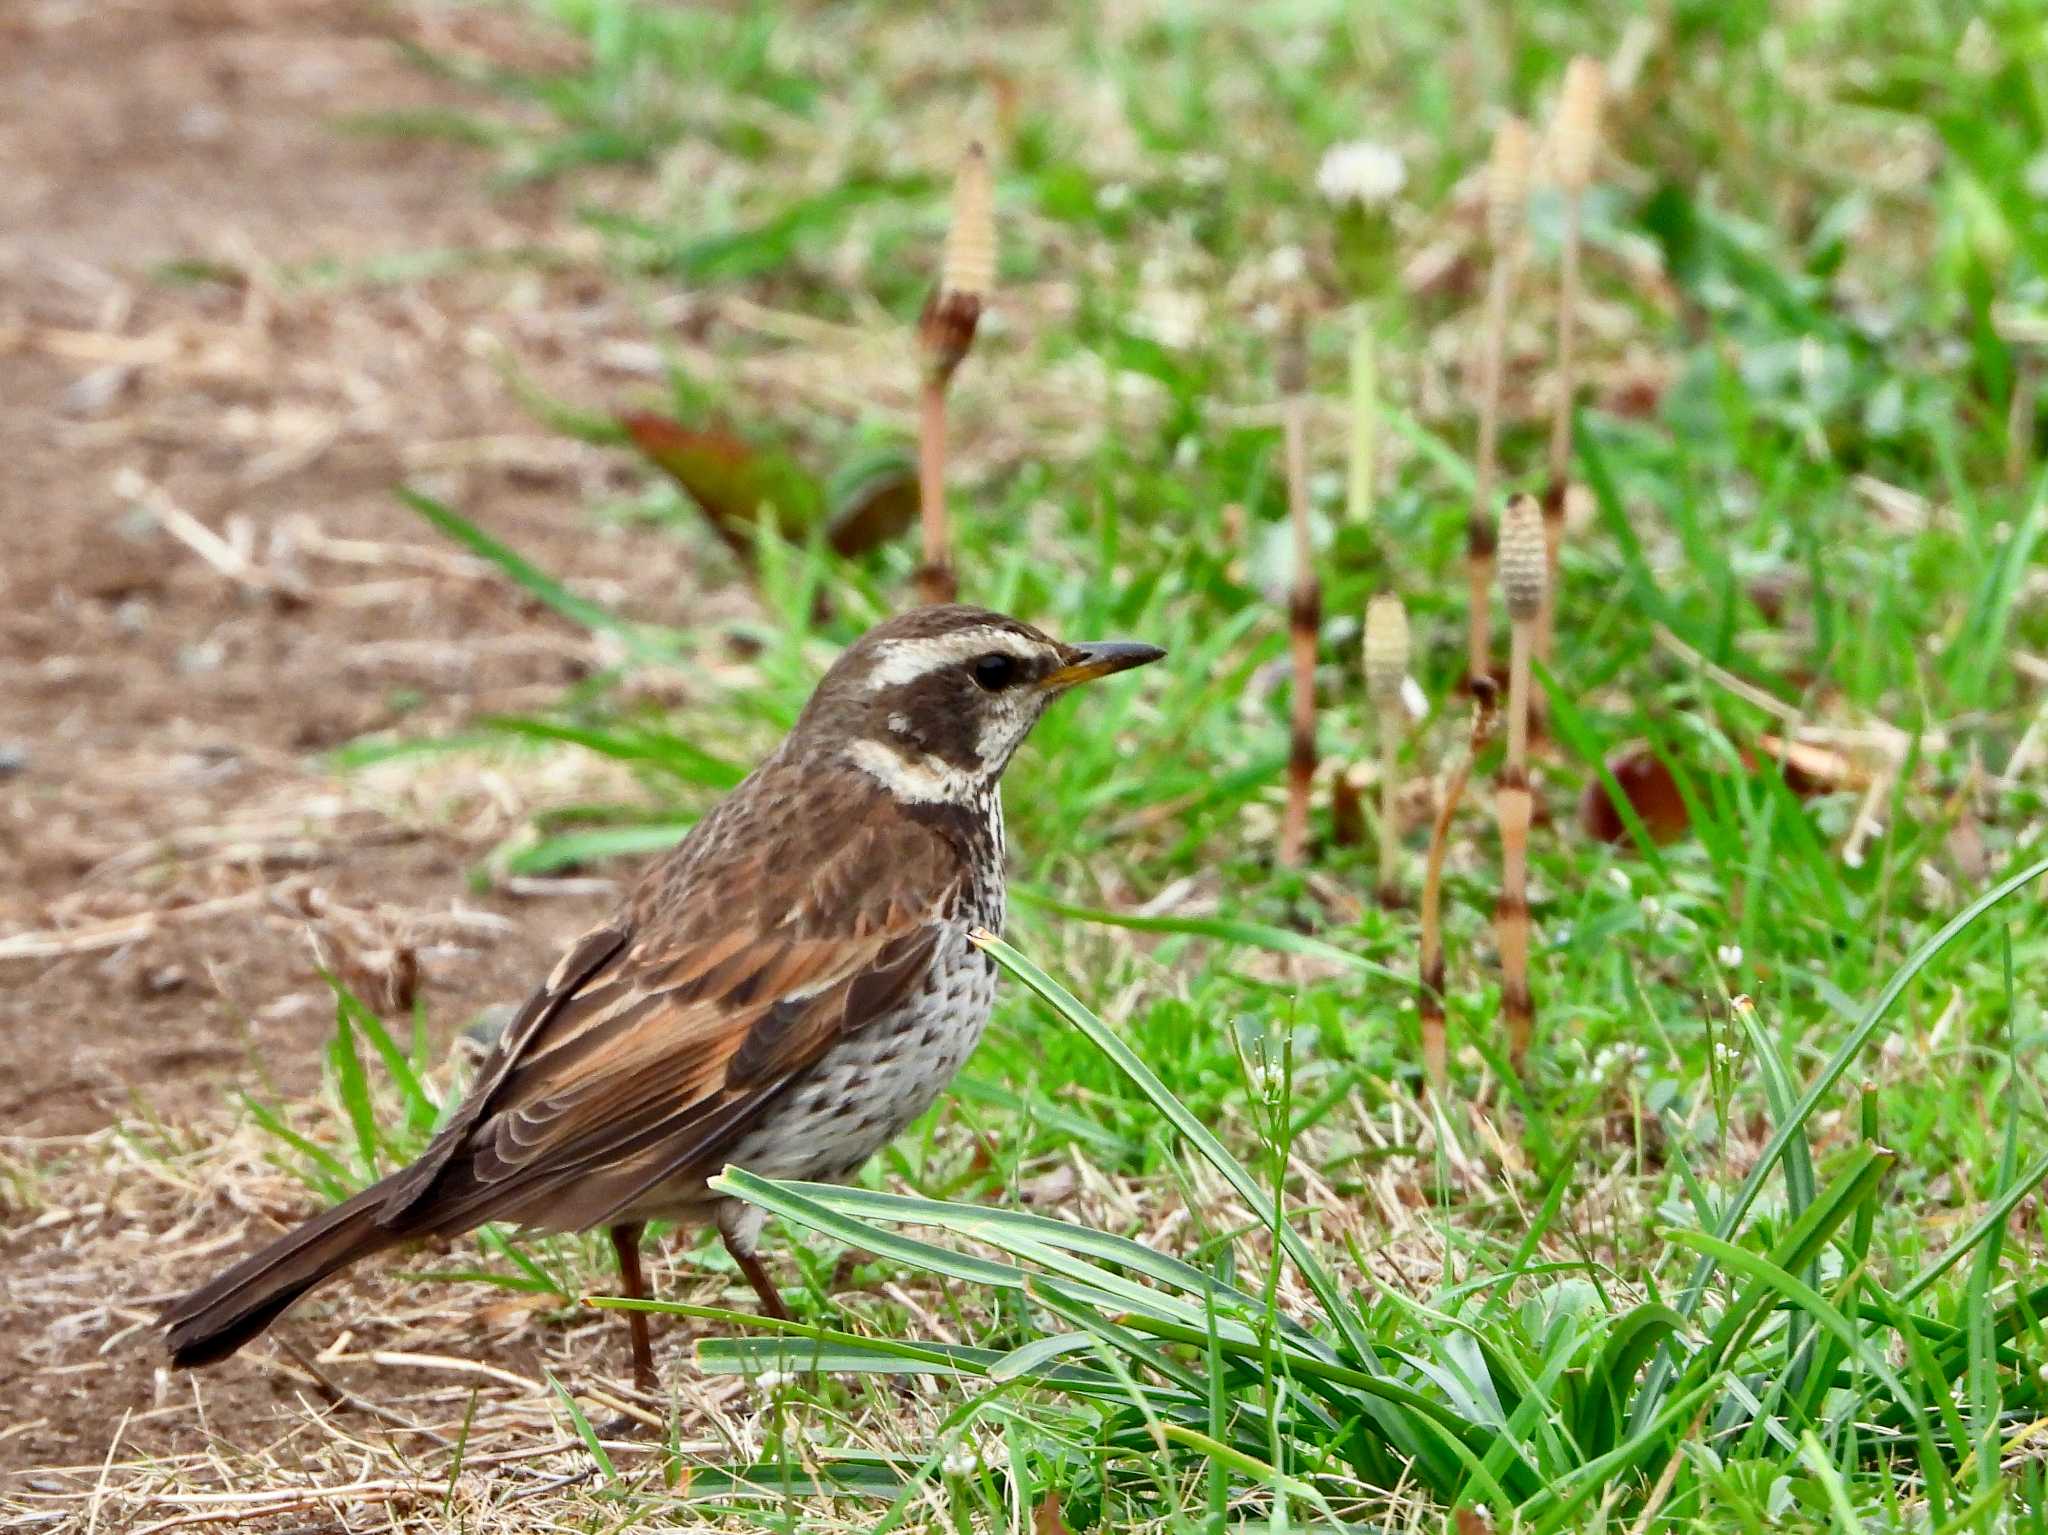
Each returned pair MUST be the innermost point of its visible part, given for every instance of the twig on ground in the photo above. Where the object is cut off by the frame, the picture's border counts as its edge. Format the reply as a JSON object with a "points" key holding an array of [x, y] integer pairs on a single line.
{"points": [[224, 557]]}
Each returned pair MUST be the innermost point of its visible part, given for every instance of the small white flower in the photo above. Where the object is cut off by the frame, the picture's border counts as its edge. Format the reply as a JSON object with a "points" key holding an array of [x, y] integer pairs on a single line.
{"points": [[1621, 880], [1170, 316], [1730, 956], [1368, 174], [958, 1462], [774, 1380], [1623, 1057], [1287, 264]]}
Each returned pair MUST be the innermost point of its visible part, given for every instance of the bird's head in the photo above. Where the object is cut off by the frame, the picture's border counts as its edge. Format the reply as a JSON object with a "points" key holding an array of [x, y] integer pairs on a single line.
{"points": [[933, 703]]}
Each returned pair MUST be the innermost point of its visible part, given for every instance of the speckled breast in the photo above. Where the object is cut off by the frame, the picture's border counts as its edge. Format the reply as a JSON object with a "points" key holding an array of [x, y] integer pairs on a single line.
{"points": [[867, 1090]]}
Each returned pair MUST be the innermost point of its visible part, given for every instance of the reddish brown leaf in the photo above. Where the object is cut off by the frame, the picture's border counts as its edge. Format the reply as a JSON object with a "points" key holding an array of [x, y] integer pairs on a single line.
{"points": [[730, 479], [1652, 794], [879, 509], [1046, 1519]]}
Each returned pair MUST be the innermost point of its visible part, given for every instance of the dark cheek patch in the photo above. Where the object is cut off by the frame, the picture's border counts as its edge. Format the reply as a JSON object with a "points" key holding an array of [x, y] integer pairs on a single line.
{"points": [[938, 719]]}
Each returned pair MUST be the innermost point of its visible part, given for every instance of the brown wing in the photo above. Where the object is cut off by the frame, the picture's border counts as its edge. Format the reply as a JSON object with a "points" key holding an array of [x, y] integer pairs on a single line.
{"points": [[776, 929]]}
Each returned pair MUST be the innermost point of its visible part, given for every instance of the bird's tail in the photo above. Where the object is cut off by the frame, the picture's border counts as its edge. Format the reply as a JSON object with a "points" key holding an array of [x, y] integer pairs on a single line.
{"points": [[219, 1317]]}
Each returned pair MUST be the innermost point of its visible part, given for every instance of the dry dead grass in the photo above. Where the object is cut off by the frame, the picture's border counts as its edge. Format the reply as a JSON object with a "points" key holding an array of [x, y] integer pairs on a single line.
{"points": [[352, 1413]]}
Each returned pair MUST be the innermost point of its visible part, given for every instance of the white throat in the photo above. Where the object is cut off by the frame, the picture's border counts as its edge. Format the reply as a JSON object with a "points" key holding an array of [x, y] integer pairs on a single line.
{"points": [[917, 777]]}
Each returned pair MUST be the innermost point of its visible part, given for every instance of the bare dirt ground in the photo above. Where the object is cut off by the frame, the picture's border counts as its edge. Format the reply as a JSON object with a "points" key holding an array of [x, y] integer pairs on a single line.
{"points": [[206, 582]]}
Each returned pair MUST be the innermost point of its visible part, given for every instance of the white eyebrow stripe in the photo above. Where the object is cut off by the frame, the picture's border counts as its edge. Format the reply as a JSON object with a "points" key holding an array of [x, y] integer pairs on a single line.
{"points": [[899, 661]]}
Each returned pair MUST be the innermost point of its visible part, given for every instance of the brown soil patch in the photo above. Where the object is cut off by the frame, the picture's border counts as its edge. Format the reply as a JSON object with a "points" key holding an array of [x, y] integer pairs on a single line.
{"points": [[176, 849]]}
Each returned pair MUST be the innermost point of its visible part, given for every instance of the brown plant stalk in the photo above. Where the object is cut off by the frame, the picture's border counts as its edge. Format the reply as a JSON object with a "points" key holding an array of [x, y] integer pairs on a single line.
{"points": [[1576, 141], [1430, 1006], [1522, 583], [945, 331], [1507, 195], [1386, 668], [1304, 607], [1347, 812]]}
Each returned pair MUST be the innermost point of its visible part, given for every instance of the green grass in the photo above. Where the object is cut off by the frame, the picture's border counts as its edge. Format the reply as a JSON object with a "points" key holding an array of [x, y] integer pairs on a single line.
{"points": [[1744, 1269]]}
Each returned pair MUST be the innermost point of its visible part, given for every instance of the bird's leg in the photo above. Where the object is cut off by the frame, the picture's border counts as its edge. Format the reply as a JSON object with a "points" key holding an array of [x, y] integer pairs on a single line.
{"points": [[633, 1285], [756, 1272]]}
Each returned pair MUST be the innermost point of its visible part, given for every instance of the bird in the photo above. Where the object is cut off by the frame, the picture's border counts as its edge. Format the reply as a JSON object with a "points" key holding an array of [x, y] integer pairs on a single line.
{"points": [[784, 991]]}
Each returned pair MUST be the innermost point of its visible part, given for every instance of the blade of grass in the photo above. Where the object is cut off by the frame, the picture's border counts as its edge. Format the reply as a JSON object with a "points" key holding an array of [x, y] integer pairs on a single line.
{"points": [[583, 1430], [1255, 935], [352, 1086], [1823, 1082], [1336, 1305], [530, 577]]}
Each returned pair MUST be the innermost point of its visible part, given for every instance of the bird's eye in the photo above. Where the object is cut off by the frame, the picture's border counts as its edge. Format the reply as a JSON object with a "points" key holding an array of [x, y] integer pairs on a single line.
{"points": [[993, 672]]}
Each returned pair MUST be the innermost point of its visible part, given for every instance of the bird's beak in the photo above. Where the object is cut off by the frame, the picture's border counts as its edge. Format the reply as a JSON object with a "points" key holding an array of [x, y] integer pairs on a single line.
{"points": [[1098, 658]]}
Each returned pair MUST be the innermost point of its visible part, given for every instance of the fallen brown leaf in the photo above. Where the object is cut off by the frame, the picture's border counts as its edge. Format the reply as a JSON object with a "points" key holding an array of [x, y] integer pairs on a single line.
{"points": [[729, 478], [1651, 792]]}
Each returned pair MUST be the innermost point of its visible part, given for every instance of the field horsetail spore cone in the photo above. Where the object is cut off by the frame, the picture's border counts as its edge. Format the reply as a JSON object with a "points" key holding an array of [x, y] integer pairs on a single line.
{"points": [[1575, 142], [945, 331], [1522, 583], [1507, 197], [1386, 668]]}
